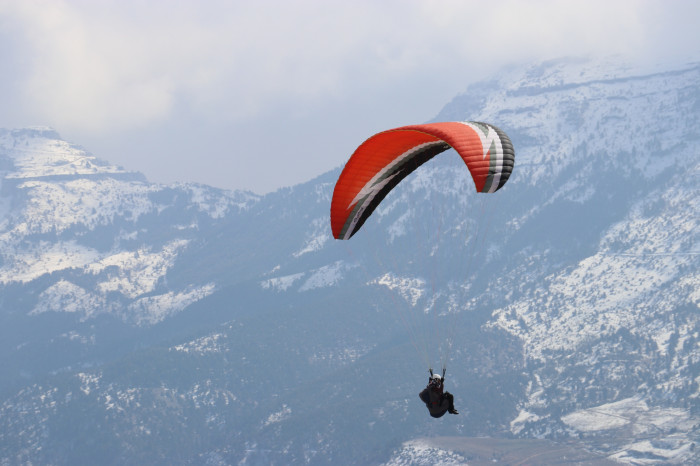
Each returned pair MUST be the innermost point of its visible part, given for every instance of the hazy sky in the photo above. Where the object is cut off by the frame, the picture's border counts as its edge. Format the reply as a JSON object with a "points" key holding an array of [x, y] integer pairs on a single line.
{"points": [[263, 94]]}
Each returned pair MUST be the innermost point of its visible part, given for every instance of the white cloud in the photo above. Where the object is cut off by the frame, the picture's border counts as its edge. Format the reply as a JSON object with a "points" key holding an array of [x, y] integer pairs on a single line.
{"points": [[131, 77]]}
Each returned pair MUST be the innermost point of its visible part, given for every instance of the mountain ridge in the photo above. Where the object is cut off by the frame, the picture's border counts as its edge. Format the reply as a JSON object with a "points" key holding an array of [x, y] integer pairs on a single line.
{"points": [[219, 312]]}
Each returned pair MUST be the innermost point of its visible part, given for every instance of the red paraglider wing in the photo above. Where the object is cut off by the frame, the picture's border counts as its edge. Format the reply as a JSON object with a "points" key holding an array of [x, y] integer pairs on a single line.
{"points": [[386, 158]]}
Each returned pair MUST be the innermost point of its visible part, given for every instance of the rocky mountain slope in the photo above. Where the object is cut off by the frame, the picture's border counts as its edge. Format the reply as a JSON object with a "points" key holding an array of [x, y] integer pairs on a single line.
{"points": [[174, 324]]}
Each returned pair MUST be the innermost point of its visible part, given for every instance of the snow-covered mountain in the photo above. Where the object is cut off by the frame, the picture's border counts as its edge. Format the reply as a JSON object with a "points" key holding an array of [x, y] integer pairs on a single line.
{"points": [[102, 234], [181, 323]]}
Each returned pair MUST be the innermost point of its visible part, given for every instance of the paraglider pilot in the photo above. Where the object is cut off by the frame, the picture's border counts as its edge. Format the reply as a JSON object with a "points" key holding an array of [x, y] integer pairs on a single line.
{"points": [[437, 401]]}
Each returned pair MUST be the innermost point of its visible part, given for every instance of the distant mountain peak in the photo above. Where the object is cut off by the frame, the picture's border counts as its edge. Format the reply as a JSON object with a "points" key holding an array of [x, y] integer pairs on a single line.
{"points": [[37, 153]]}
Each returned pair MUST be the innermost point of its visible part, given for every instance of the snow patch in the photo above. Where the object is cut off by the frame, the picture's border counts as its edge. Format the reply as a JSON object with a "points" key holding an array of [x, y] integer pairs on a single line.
{"points": [[634, 412], [153, 309], [214, 343], [322, 277], [281, 283], [279, 416], [32, 261], [217, 203], [135, 273], [207, 394], [523, 417], [667, 427], [316, 238], [55, 206], [34, 156], [422, 452], [341, 356], [607, 416], [65, 296], [410, 289], [325, 276], [89, 382]]}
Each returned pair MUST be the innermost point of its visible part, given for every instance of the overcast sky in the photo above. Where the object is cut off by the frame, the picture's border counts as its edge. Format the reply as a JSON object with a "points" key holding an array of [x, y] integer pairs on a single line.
{"points": [[262, 94]]}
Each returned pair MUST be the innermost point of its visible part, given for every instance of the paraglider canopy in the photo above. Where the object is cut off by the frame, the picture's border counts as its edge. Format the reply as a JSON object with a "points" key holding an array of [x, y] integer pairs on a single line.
{"points": [[386, 158], [380, 163]]}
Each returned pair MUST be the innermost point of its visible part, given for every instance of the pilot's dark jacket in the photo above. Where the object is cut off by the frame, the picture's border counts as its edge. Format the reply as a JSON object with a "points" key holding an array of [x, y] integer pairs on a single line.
{"points": [[438, 403]]}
